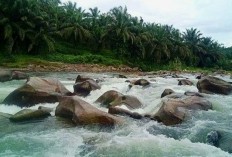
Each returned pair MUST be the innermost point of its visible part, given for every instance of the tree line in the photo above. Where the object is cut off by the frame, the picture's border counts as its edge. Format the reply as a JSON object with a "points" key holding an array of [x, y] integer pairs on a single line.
{"points": [[33, 27]]}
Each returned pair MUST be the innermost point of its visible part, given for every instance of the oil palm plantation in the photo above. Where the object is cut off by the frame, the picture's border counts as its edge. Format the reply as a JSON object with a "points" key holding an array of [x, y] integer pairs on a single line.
{"points": [[36, 26]]}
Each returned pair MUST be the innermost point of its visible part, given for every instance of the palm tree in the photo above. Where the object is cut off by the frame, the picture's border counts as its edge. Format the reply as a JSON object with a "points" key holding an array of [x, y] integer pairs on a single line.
{"points": [[12, 22], [96, 27], [74, 26], [178, 48], [192, 37], [158, 47], [213, 51], [118, 29]]}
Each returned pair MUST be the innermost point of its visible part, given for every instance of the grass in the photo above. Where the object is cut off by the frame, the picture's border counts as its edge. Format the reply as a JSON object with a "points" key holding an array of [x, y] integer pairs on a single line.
{"points": [[84, 58], [81, 56], [67, 53], [22, 61]]}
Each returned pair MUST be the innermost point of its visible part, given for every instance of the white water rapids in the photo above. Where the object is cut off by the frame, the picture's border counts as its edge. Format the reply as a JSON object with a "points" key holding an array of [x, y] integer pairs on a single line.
{"points": [[53, 137]]}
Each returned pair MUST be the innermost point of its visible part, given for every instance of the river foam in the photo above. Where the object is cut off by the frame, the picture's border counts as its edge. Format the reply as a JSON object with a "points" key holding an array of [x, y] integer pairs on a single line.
{"points": [[55, 137]]}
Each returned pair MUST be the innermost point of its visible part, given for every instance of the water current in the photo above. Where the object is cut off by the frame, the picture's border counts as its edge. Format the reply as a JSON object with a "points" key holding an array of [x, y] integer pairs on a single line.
{"points": [[55, 137]]}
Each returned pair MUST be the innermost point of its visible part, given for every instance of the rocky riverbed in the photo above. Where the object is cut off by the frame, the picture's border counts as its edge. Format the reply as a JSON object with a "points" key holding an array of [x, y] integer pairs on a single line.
{"points": [[181, 123]]}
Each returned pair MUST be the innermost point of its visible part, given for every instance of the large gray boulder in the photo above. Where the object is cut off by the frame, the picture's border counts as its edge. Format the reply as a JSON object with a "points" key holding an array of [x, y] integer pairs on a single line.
{"points": [[113, 98], [5, 75], [37, 90], [8, 75], [173, 111], [82, 113], [211, 85]]}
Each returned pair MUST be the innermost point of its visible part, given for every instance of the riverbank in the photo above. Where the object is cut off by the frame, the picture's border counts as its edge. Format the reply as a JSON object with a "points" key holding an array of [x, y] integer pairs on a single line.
{"points": [[39, 64], [64, 67], [99, 68]]}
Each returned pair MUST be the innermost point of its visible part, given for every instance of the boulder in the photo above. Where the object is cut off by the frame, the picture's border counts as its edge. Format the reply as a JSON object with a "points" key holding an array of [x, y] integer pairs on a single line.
{"points": [[113, 98], [167, 92], [8, 75], [82, 79], [174, 96], [5, 75], [201, 76], [108, 97], [82, 113], [84, 88], [120, 111], [198, 77], [173, 111], [37, 90], [17, 75], [169, 113], [46, 109], [140, 82], [119, 76], [197, 103], [185, 82], [211, 85], [28, 114], [130, 101]]}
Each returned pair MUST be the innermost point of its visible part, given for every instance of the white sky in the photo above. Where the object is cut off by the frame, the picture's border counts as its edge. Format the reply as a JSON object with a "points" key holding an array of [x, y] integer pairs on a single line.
{"points": [[212, 17]]}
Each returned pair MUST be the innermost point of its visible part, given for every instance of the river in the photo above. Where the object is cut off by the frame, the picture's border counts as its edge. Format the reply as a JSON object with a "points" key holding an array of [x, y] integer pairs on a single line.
{"points": [[55, 137]]}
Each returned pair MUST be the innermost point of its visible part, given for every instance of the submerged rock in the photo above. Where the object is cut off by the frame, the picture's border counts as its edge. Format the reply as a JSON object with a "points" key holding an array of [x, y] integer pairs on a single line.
{"points": [[113, 98], [120, 111], [81, 112], [211, 85], [37, 90], [213, 138], [28, 114]]}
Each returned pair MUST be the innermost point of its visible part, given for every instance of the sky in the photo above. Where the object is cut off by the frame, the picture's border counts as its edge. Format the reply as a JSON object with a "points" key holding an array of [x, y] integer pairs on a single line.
{"points": [[213, 18]]}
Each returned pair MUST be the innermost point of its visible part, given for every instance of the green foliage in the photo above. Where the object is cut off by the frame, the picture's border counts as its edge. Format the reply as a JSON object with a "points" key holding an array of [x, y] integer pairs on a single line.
{"points": [[65, 32], [175, 64], [84, 58]]}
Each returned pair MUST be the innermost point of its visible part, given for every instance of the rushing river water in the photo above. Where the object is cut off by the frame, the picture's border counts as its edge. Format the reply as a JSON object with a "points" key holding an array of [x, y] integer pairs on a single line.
{"points": [[55, 137]]}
